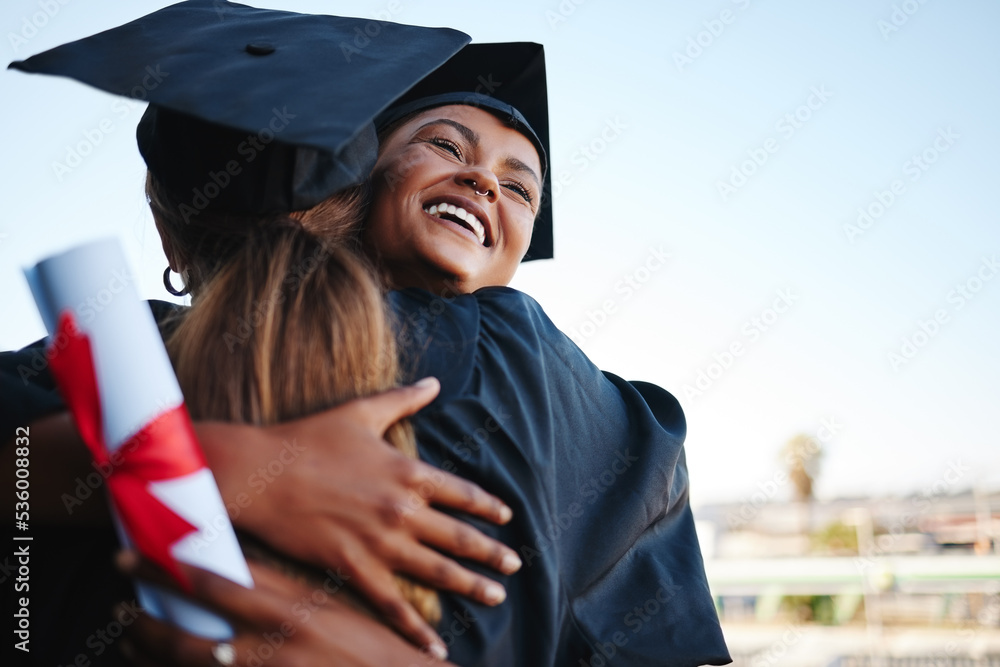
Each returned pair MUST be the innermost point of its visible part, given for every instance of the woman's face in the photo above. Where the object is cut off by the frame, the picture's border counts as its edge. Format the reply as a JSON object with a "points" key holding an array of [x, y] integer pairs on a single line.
{"points": [[455, 197]]}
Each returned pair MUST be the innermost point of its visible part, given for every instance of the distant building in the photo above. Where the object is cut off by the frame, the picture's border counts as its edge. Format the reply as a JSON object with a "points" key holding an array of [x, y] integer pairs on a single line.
{"points": [[923, 559]]}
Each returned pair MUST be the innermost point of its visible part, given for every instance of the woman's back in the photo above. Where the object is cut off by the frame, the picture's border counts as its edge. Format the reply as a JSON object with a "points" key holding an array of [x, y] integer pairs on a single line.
{"points": [[594, 470]]}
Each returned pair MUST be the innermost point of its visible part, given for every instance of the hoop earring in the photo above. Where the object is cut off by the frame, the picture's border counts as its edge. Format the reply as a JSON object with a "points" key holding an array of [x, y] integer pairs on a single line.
{"points": [[171, 288]]}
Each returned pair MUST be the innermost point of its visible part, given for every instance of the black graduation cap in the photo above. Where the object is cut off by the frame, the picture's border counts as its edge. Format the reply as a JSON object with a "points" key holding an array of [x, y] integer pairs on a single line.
{"points": [[508, 80], [254, 110]]}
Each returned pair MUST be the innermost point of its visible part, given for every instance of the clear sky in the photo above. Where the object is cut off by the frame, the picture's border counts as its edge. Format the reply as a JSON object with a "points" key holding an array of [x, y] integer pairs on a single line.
{"points": [[711, 159]]}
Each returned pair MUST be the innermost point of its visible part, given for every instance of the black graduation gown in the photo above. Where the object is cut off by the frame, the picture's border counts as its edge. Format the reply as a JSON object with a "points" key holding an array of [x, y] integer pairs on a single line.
{"points": [[592, 466]]}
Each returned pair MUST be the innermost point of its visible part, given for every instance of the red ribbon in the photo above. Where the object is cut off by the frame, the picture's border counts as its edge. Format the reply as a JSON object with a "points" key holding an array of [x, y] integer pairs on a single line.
{"points": [[165, 448]]}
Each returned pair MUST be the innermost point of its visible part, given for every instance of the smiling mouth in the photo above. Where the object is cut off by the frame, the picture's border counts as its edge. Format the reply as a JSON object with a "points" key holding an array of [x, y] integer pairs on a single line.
{"points": [[460, 217]]}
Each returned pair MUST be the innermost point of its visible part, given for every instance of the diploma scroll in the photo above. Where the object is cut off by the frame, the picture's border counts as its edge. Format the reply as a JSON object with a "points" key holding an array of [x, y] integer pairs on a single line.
{"points": [[107, 357]]}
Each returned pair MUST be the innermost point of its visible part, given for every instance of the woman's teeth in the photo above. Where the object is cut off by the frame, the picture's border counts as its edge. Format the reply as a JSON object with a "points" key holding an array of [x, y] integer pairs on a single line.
{"points": [[439, 210]]}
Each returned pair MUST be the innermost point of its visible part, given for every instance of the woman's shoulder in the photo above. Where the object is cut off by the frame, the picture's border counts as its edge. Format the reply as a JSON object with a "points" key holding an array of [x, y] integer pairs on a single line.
{"points": [[507, 312], [463, 316], [504, 294], [489, 298], [504, 301], [437, 335], [498, 332]]}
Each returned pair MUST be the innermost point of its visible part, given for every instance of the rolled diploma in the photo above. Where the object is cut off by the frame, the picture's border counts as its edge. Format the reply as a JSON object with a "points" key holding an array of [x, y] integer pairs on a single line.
{"points": [[136, 383]]}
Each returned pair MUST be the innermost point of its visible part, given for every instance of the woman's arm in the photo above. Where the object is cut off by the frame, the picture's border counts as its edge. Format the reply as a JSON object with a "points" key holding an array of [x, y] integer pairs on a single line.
{"points": [[355, 503], [278, 622], [326, 489]]}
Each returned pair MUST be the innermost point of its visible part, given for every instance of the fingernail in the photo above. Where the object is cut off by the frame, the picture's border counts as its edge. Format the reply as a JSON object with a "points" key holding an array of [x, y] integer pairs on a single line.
{"points": [[510, 564], [506, 514], [495, 594], [127, 560], [438, 650], [429, 381]]}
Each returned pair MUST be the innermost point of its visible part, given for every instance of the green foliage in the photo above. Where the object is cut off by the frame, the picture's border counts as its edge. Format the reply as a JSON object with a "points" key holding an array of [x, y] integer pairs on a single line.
{"points": [[835, 539], [810, 608]]}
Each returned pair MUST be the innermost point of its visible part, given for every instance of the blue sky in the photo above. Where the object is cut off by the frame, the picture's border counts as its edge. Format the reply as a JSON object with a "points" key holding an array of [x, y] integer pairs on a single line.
{"points": [[711, 158]]}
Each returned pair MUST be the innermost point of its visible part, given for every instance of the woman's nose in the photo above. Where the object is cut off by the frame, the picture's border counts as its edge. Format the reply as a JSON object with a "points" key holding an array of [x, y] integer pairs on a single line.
{"points": [[482, 183]]}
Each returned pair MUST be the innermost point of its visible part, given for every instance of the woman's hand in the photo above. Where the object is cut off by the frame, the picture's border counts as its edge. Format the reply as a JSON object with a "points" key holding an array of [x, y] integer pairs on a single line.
{"points": [[278, 622], [327, 489]]}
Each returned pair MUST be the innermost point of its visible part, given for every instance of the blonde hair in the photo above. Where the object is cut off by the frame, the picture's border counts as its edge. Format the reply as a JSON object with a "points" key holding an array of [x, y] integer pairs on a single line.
{"points": [[292, 322]]}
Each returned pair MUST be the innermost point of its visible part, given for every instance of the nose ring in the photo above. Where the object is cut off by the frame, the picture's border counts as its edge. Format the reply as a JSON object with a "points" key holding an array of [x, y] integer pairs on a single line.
{"points": [[475, 188]]}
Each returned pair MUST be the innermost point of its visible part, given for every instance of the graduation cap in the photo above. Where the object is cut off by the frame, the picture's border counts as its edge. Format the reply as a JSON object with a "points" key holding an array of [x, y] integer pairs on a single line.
{"points": [[254, 110], [507, 80]]}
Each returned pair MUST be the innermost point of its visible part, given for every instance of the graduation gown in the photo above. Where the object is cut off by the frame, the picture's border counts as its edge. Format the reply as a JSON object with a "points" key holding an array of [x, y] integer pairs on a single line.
{"points": [[592, 465]]}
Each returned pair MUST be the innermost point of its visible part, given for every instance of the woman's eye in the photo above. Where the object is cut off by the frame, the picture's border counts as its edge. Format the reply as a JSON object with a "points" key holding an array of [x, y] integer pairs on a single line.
{"points": [[520, 190], [448, 145]]}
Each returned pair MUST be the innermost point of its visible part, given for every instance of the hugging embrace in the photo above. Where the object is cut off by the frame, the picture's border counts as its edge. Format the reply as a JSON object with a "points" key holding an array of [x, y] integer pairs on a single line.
{"points": [[466, 484]]}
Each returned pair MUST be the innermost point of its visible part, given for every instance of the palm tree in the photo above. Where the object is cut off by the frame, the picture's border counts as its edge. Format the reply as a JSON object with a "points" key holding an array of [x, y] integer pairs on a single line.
{"points": [[802, 456]]}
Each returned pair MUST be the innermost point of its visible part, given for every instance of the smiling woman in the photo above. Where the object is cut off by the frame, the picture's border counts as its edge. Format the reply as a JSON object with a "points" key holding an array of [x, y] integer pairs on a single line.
{"points": [[456, 192], [592, 467]]}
